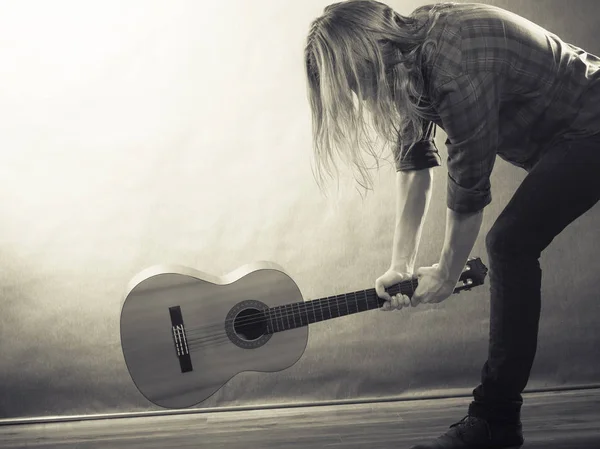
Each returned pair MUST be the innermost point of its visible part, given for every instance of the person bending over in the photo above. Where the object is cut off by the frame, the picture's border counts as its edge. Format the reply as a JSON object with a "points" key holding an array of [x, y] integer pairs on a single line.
{"points": [[498, 85]]}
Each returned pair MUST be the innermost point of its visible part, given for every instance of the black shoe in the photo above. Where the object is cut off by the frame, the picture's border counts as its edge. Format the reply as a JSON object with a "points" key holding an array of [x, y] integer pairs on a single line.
{"points": [[472, 432]]}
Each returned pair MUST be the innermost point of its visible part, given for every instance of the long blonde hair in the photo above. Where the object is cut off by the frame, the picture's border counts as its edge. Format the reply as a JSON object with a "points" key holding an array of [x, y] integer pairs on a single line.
{"points": [[363, 50]]}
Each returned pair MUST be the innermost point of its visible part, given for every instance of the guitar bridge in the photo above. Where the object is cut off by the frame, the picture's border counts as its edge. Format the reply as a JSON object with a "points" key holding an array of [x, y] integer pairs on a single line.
{"points": [[180, 342]]}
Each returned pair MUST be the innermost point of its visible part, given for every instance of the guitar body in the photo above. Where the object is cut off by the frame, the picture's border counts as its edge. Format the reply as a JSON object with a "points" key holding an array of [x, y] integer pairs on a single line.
{"points": [[183, 334]]}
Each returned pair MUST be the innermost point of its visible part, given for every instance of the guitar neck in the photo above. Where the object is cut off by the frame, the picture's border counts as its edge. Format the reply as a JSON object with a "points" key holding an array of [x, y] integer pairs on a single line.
{"points": [[299, 314]]}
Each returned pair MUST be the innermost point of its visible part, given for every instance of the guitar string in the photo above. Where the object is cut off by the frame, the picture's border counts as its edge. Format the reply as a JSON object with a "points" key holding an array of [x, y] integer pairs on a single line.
{"points": [[193, 342], [260, 316], [301, 319], [410, 289], [196, 342], [221, 337], [300, 314], [298, 321], [332, 300], [371, 293], [278, 313]]}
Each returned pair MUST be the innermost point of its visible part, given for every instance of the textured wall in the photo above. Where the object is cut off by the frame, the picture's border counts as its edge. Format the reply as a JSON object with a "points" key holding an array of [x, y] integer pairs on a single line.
{"points": [[180, 133]]}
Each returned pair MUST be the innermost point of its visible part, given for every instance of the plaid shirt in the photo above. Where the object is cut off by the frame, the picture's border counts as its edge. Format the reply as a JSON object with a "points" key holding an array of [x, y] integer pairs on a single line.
{"points": [[501, 85]]}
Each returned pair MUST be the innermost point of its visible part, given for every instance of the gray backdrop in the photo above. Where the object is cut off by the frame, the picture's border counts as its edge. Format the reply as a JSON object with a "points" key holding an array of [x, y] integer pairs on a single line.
{"points": [[179, 132]]}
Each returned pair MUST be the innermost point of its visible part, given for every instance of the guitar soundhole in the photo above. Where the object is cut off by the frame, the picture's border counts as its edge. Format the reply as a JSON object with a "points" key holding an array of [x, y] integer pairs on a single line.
{"points": [[250, 324], [246, 324]]}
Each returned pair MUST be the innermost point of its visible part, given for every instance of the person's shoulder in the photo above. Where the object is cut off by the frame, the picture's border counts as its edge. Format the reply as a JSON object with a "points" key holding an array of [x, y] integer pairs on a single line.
{"points": [[461, 17], [465, 12], [457, 35]]}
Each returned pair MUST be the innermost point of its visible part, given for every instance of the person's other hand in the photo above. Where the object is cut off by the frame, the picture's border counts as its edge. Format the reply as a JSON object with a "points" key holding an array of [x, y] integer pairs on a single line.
{"points": [[433, 286]]}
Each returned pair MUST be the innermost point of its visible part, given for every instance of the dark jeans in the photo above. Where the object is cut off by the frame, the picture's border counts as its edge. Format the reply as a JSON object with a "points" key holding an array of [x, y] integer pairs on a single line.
{"points": [[563, 185]]}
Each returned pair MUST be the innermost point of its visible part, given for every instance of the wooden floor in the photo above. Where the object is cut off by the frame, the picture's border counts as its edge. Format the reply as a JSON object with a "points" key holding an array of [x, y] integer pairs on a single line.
{"points": [[551, 421]]}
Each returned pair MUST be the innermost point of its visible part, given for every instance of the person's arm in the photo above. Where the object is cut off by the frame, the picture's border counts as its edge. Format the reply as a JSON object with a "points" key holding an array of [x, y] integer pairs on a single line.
{"points": [[469, 110], [414, 179], [462, 230], [413, 195]]}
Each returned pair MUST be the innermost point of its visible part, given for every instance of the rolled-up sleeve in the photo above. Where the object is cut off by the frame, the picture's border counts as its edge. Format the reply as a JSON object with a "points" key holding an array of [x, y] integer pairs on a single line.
{"points": [[423, 154], [469, 107]]}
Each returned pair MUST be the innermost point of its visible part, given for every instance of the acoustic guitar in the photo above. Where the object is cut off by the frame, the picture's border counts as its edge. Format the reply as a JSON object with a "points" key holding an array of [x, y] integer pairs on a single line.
{"points": [[185, 333]]}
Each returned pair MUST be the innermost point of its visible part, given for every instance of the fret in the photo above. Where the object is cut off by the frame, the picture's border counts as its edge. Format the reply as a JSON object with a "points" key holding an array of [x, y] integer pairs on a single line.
{"points": [[270, 329], [373, 298], [307, 321], [332, 306], [369, 300], [321, 313], [287, 315], [293, 315], [300, 312], [281, 318], [281, 310], [290, 314], [273, 315], [322, 304], [318, 310], [329, 307], [298, 316], [354, 303]]}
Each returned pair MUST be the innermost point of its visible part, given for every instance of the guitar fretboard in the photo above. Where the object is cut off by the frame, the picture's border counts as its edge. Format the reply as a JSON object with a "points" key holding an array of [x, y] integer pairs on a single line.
{"points": [[298, 314]]}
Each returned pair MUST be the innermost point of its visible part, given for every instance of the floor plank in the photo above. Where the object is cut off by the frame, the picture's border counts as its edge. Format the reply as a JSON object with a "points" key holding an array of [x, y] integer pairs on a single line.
{"points": [[551, 421]]}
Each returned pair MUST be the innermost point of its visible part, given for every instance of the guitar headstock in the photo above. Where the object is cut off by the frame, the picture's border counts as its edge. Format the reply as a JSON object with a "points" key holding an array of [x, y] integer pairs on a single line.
{"points": [[473, 275]]}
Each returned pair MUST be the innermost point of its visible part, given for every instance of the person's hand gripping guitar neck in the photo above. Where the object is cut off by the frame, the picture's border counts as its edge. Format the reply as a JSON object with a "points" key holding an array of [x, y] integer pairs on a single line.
{"points": [[437, 282]]}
